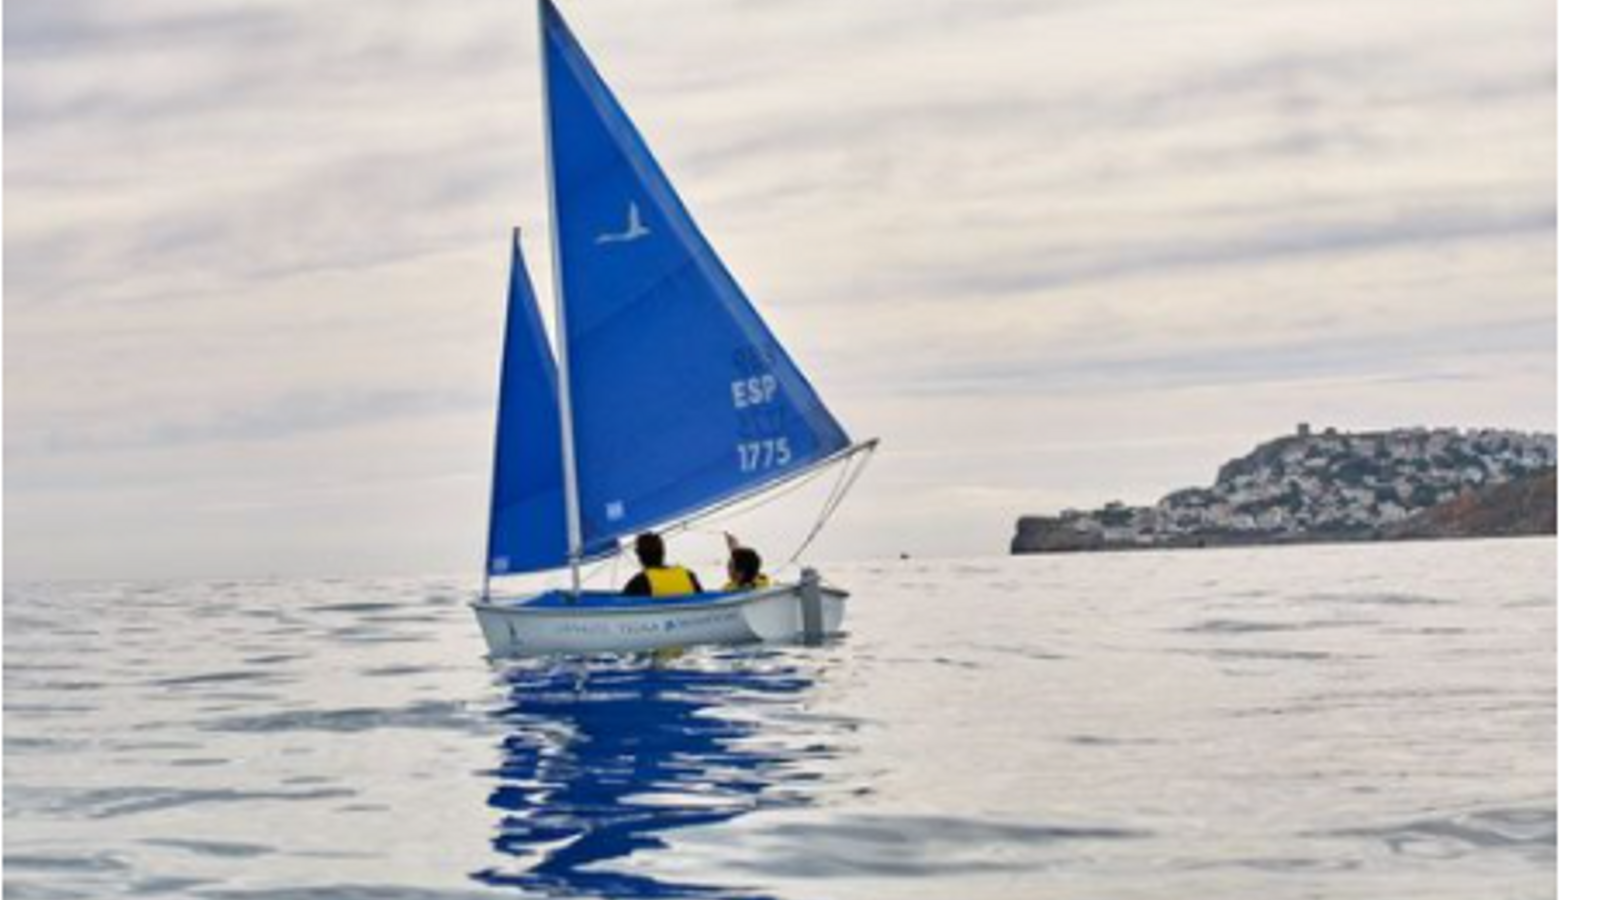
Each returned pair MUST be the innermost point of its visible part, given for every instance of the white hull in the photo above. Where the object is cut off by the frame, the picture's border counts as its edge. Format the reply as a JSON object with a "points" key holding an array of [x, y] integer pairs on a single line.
{"points": [[518, 627]]}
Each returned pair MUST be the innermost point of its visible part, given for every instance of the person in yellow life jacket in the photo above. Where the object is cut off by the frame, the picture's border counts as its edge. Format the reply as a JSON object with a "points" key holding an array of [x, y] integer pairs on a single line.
{"points": [[744, 568], [659, 579]]}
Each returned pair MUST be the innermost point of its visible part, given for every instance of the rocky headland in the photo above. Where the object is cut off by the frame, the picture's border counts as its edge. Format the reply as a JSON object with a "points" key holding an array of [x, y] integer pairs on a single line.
{"points": [[1410, 483]]}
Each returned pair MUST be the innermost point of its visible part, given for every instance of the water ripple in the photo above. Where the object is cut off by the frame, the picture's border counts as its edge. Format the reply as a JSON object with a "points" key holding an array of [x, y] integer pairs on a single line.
{"points": [[1240, 626], [903, 846], [116, 802], [224, 849], [1455, 836], [1170, 725], [210, 678], [421, 715]]}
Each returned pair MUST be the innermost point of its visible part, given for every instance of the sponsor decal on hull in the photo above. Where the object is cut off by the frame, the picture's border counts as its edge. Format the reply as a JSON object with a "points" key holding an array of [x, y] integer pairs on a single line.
{"points": [[644, 627]]}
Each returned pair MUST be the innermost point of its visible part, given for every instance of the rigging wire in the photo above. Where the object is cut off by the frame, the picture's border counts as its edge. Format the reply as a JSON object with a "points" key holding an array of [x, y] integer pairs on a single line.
{"points": [[850, 469], [724, 515], [848, 475]]}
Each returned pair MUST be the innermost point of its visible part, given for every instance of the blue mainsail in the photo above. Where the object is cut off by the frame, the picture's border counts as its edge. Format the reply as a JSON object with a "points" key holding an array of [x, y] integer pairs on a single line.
{"points": [[527, 518], [680, 395]]}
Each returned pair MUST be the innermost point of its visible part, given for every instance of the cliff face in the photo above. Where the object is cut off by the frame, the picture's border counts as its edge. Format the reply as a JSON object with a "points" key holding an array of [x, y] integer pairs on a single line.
{"points": [[1042, 534], [1311, 486], [1526, 506]]}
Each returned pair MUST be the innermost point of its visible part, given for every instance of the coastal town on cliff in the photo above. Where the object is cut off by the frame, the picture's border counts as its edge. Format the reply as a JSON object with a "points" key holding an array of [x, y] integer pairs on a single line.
{"points": [[1330, 485]]}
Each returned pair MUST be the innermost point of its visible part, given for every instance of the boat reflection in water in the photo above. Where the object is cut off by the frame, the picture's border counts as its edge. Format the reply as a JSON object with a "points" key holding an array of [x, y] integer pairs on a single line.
{"points": [[602, 761]]}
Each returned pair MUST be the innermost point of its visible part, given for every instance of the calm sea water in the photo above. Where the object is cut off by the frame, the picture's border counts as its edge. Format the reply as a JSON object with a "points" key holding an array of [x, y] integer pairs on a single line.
{"points": [[1329, 722]]}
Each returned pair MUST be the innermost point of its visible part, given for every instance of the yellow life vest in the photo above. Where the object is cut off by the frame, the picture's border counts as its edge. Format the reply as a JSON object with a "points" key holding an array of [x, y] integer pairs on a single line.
{"points": [[669, 581], [760, 582]]}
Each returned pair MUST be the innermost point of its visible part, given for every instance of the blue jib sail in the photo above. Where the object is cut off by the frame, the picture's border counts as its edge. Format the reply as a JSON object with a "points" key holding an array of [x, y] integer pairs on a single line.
{"points": [[681, 397], [527, 514]]}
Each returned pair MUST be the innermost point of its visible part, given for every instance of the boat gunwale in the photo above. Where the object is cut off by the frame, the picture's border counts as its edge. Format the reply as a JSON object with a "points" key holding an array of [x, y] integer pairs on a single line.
{"points": [[665, 605]]}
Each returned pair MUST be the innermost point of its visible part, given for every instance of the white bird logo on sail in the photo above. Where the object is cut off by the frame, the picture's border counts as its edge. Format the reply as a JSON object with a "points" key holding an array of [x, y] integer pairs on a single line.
{"points": [[636, 229]]}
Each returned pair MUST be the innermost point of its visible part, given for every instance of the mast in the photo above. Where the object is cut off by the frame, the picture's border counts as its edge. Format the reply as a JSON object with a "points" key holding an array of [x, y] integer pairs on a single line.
{"points": [[569, 457]]}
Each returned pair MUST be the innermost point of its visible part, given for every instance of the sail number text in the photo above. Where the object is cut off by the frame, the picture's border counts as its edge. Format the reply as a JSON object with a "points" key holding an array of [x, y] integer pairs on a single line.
{"points": [[772, 453], [753, 396], [757, 391]]}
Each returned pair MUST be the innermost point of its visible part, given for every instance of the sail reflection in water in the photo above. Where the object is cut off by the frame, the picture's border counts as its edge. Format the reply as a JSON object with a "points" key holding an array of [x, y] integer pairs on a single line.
{"points": [[604, 760]]}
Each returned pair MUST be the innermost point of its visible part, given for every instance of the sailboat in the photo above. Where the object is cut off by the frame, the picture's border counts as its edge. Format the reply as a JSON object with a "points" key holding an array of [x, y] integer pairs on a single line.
{"points": [[670, 399]]}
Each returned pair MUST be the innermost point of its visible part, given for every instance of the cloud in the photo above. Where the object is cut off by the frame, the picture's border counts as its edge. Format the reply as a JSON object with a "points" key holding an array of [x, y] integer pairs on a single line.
{"points": [[1441, 354], [1289, 239], [282, 418], [246, 238]]}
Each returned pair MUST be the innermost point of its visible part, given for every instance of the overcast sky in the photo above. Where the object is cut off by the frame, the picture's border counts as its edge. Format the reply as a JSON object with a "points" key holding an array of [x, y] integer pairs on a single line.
{"points": [[1053, 252]]}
